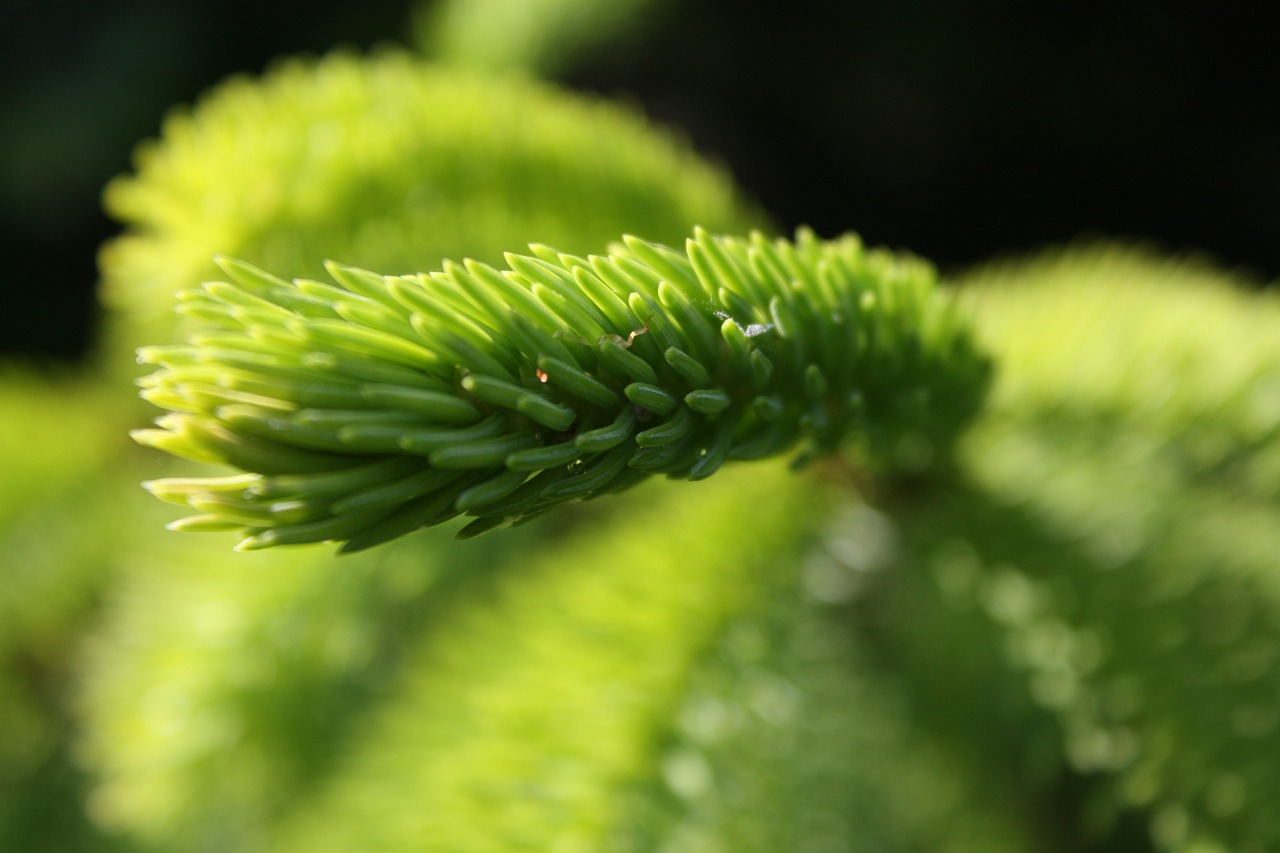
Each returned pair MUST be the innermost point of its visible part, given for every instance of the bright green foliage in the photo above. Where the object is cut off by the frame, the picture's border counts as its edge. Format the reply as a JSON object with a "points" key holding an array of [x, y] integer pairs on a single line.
{"points": [[221, 689], [534, 710], [615, 696], [1111, 581], [363, 411], [389, 163], [224, 697], [1169, 345]]}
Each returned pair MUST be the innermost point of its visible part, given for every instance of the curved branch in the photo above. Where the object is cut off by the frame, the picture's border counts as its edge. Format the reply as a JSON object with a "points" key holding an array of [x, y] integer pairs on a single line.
{"points": [[369, 408]]}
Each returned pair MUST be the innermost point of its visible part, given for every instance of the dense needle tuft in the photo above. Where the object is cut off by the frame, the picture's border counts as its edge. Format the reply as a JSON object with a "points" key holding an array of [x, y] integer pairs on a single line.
{"points": [[365, 409]]}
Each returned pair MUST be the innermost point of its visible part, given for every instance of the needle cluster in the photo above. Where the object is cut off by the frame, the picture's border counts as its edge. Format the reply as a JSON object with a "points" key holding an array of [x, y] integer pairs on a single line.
{"points": [[364, 409]]}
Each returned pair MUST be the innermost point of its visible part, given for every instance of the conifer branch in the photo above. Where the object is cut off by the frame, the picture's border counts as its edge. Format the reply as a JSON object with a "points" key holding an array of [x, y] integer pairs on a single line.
{"points": [[365, 409]]}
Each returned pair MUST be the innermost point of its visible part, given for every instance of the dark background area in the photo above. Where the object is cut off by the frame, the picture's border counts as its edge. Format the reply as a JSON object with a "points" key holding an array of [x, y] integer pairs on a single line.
{"points": [[959, 130]]}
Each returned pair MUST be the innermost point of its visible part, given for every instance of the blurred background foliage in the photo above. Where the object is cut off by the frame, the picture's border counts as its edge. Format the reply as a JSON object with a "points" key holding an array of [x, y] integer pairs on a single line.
{"points": [[1070, 643]]}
